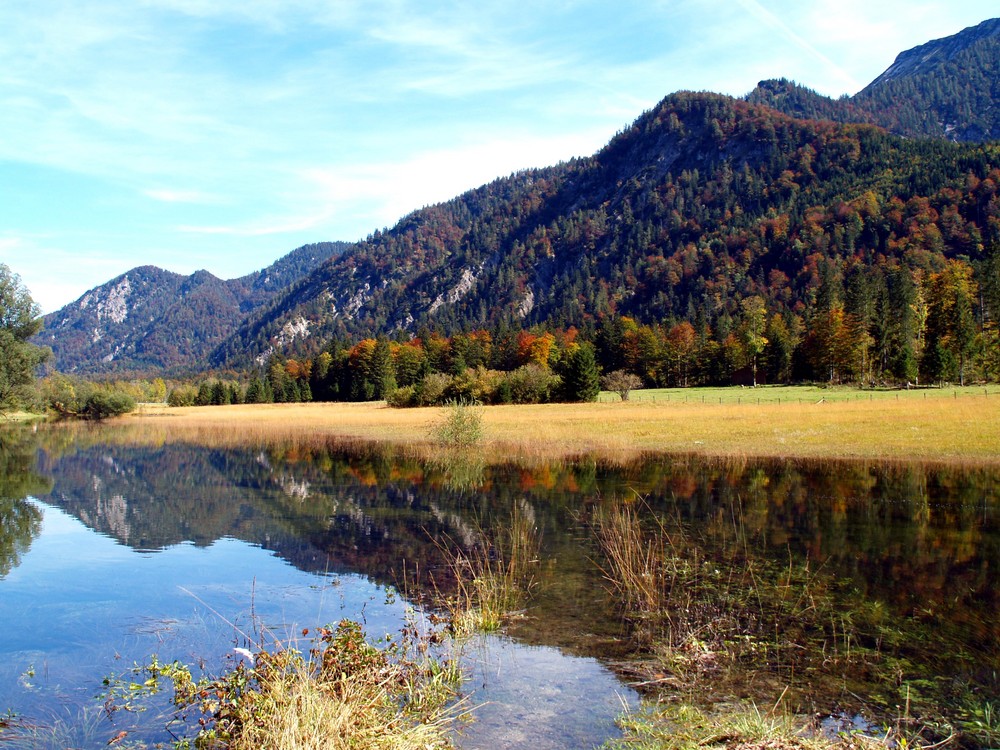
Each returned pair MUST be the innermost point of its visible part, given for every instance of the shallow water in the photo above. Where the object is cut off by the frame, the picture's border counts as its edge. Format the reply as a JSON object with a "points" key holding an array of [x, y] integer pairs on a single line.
{"points": [[111, 553]]}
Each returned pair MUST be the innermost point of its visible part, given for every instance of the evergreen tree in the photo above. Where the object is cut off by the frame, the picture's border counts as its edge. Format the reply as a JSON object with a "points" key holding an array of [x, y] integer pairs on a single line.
{"points": [[383, 374], [581, 378], [255, 391], [204, 397]]}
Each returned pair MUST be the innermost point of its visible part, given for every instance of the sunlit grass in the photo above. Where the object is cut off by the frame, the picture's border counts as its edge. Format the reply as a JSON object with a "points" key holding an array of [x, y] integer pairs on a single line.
{"points": [[929, 425], [344, 693]]}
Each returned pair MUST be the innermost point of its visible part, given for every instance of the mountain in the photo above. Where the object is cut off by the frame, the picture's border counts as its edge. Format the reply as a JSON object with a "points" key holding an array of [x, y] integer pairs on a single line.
{"points": [[149, 319], [946, 88], [804, 201], [702, 202]]}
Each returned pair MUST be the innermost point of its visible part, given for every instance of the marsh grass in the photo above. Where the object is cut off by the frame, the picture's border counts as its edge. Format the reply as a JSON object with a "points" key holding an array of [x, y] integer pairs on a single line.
{"points": [[342, 692], [710, 625], [697, 610], [746, 726], [939, 428], [461, 425], [492, 581]]}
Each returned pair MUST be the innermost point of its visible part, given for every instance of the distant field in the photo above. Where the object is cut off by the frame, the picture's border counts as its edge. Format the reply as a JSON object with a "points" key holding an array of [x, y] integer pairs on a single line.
{"points": [[954, 425], [798, 394]]}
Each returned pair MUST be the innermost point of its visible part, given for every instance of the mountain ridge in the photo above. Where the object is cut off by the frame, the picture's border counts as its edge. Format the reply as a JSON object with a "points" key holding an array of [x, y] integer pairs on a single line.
{"points": [[947, 88], [133, 322], [703, 199]]}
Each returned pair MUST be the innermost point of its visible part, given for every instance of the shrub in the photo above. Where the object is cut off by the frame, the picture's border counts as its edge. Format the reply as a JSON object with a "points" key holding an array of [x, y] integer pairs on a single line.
{"points": [[532, 384], [403, 397], [475, 384], [104, 404], [432, 389], [462, 425], [183, 395]]}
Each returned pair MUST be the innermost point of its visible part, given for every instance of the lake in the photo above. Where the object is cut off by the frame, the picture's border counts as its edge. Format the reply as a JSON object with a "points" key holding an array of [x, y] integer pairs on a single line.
{"points": [[879, 582]]}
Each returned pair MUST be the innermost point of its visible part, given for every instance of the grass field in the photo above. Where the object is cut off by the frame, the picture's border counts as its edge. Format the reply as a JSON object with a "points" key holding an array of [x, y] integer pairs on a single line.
{"points": [[953, 425]]}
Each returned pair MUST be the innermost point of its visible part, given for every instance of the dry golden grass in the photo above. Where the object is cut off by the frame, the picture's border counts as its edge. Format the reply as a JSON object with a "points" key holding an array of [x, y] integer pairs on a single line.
{"points": [[966, 429]]}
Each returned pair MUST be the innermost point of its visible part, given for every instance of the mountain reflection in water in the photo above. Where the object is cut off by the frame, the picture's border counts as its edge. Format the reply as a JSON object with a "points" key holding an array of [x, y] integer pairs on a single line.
{"points": [[922, 542]]}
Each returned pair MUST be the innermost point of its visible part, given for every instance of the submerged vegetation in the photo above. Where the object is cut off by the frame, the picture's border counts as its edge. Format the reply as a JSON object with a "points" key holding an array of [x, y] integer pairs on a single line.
{"points": [[715, 622]]}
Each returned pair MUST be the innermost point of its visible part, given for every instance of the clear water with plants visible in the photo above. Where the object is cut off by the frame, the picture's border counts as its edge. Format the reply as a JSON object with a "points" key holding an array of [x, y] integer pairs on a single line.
{"points": [[861, 590]]}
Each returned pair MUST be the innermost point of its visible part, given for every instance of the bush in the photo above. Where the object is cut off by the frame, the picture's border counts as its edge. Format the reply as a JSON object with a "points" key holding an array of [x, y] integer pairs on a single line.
{"points": [[462, 426], [404, 397], [532, 384], [183, 395], [475, 384], [432, 389], [104, 404]]}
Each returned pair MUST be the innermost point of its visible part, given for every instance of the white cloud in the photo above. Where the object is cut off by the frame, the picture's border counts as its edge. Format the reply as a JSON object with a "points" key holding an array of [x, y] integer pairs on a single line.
{"points": [[53, 276]]}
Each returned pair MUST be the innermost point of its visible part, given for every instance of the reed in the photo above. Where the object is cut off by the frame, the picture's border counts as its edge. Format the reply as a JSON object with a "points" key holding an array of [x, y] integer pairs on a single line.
{"points": [[745, 725], [493, 580], [696, 609]]}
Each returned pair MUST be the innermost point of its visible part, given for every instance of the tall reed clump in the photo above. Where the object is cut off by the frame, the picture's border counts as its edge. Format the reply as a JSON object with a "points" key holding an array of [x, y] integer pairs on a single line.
{"points": [[493, 580], [650, 570], [344, 692], [461, 426]]}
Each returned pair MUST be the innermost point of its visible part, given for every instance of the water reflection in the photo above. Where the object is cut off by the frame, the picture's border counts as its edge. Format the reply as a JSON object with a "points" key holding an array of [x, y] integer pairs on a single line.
{"points": [[20, 522], [921, 542]]}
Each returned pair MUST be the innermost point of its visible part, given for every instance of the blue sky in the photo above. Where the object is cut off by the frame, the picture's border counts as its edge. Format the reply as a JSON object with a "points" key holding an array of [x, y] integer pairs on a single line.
{"points": [[221, 134]]}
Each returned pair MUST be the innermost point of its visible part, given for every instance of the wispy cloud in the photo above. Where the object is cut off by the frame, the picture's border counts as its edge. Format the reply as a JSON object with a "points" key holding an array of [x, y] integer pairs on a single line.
{"points": [[167, 195], [758, 10]]}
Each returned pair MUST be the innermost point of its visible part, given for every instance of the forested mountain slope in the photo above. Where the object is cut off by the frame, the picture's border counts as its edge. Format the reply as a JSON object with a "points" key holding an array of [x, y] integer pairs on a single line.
{"points": [[704, 201], [149, 319], [946, 88]]}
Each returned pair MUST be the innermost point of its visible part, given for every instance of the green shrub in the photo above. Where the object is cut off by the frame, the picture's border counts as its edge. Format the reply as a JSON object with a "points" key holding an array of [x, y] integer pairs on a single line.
{"points": [[475, 384], [183, 395], [462, 425], [104, 404], [532, 384], [432, 388], [404, 397]]}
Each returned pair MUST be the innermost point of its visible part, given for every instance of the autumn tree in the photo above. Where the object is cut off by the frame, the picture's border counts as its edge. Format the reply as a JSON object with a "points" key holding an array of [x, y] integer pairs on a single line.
{"points": [[752, 330], [951, 325], [621, 382]]}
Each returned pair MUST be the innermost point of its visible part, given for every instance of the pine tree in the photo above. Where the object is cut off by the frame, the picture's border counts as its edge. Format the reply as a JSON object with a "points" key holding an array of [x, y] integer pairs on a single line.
{"points": [[581, 379]]}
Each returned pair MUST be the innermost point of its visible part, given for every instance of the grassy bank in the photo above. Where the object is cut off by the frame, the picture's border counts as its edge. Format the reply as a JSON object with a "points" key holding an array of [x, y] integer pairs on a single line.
{"points": [[932, 425]]}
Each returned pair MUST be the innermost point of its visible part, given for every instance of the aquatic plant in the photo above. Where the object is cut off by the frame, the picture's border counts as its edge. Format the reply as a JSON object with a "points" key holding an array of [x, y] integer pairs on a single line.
{"points": [[492, 580], [343, 692]]}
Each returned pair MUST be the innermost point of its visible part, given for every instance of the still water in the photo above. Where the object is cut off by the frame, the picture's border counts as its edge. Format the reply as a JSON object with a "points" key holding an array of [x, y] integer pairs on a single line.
{"points": [[111, 552]]}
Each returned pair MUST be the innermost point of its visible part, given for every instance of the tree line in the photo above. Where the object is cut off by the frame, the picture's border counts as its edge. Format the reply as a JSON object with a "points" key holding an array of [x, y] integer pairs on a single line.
{"points": [[871, 325]]}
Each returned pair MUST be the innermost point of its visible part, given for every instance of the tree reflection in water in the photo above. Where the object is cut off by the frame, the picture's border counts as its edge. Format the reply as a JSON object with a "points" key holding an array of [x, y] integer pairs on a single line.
{"points": [[920, 543]]}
